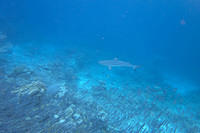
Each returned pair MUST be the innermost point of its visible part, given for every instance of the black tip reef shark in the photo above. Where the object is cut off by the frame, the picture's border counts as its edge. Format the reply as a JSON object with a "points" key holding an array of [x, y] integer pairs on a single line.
{"points": [[117, 63]]}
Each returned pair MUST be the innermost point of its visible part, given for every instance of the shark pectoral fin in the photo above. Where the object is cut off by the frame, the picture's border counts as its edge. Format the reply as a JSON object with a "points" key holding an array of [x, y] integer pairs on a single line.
{"points": [[109, 67]]}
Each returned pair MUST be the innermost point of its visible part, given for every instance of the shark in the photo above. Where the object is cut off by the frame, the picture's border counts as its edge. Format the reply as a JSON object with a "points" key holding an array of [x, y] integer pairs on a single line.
{"points": [[117, 63]]}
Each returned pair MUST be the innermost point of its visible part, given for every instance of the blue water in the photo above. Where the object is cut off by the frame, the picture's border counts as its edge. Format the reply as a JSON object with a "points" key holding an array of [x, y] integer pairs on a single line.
{"points": [[51, 80]]}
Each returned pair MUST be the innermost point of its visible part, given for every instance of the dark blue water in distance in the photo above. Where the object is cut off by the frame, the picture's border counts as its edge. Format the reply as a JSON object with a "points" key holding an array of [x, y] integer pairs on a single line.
{"points": [[99, 66]]}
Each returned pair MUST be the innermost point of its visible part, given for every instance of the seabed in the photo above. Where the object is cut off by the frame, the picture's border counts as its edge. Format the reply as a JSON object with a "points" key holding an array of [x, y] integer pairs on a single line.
{"points": [[64, 90]]}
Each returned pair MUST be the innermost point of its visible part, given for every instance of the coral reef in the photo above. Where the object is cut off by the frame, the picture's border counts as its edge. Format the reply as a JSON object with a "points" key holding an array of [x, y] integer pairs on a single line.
{"points": [[54, 95], [33, 88]]}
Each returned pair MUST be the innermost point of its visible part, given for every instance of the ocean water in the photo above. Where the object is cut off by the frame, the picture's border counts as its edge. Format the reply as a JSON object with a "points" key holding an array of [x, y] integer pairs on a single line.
{"points": [[66, 66]]}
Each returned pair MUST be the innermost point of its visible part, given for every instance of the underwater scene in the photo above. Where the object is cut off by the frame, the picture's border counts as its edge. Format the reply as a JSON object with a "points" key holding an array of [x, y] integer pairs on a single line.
{"points": [[99, 66]]}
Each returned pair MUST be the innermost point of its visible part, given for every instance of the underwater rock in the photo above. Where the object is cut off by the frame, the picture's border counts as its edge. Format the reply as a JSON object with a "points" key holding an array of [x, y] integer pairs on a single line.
{"points": [[34, 88], [37, 117], [68, 112], [79, 121], [56, 89], [98, 124], [76, 116], [62, 91], [70, 124], [56, 116], [62, 121], [102, 115]]}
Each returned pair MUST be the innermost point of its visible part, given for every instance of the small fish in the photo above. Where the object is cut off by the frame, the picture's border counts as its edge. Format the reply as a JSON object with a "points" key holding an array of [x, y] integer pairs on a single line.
{"points": [[117, 63]]}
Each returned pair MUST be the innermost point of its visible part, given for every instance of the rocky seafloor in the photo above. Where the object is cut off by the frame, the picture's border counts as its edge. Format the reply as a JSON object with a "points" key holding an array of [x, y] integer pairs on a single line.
{"points": [[46, 91]]}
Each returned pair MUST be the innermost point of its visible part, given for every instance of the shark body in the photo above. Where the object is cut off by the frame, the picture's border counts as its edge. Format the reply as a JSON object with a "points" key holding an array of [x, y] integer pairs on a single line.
{"points": [[117, 63]]}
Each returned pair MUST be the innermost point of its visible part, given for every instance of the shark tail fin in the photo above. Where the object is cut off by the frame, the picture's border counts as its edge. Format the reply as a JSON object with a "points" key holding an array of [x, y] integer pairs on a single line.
{"points": [[135, 67]]}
